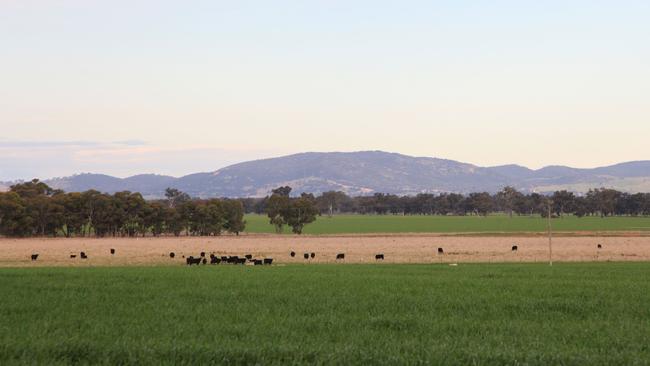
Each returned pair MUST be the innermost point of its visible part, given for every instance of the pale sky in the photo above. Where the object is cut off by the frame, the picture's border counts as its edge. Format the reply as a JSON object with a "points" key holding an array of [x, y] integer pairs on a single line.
{"points": [[176, 87]]}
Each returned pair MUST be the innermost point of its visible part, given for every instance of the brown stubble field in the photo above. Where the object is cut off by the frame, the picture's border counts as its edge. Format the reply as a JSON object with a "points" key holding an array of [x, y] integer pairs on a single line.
{"points": [[357, 249]]}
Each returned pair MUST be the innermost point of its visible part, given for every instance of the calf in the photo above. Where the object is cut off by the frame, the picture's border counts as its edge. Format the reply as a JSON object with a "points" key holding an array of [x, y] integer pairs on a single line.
{"points": [[34, 257], [441, 251], [112, 251], [379, 257], [268, 261], [72, 256], [172, 255], [306, 255], [340, 256], [292, 254], [515, 248], [214, 259], [83, 255], [191, 260]]}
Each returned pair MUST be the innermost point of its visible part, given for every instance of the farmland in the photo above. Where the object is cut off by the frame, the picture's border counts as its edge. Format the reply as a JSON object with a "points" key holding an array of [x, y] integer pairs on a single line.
{"points": [[592, 313], [397, 248], [356, 224]]}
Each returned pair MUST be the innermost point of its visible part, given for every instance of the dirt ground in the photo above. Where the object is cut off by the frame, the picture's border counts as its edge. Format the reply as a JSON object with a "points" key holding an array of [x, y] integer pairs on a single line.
{"points": [[357, 249]]}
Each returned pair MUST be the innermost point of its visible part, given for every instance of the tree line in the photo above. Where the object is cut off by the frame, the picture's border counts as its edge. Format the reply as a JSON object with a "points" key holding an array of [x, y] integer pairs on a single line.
{"points": [[597, 202], [35, 209]]}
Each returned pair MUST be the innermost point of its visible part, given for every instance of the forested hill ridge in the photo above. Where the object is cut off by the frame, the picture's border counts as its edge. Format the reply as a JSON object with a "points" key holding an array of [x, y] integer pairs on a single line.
{"points": [[364, 173]]}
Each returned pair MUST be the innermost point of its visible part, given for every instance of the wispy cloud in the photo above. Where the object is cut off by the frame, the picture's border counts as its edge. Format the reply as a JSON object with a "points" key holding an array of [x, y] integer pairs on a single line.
{"points": [[67, 144], [47, 159]]}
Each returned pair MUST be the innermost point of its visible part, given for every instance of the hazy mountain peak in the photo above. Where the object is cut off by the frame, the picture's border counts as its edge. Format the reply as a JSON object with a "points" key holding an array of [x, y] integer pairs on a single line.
{"points": [[366, 172]]}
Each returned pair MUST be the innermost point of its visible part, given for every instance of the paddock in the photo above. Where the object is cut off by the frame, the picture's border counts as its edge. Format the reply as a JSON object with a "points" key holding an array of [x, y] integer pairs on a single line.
{"points": [[357, 249]]}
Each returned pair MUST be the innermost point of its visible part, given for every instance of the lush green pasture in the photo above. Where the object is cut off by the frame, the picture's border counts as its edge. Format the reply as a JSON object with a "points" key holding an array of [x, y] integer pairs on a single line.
{"points": [[586, 314], [344, 224]]}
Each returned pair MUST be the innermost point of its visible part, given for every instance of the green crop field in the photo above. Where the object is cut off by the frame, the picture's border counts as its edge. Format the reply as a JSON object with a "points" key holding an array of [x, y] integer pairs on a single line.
{"points": [[349, 224], [590, 314]]}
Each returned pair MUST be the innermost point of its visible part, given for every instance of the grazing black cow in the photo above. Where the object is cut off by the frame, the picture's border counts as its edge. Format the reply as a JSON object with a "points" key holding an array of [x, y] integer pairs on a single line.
{"points": [[340, 256], [515, 248], [205, 261], [112, 251], [72, 256], [224, 259], [242, 261], [202, 254], [292, 254], [312, 255], [441, 251], [379, 257], [83, 255], [191, 260], [214, 259], [306, 255], [249, 256], [268, 261], [172, 255], [257, 262], [600, 246], [34, 257]]}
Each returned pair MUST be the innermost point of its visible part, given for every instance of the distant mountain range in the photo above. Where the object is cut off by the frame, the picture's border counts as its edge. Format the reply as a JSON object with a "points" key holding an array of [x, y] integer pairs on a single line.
{"points": [[367, 172]]}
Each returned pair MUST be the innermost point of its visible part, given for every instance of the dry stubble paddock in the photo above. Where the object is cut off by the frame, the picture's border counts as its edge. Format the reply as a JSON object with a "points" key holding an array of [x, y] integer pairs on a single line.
{"points": [[357, 249]]}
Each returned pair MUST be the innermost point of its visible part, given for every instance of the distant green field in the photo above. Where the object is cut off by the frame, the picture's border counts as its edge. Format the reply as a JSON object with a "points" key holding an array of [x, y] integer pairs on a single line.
{"points": [[589, 314], [349, 224]]}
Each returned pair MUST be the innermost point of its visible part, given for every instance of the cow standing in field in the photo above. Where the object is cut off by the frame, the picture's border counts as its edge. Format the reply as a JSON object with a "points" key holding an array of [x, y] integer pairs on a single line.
{"points": [[441, 251], [257, 262], [112, 251], [600, 246], [515, 248], [340, 256], [202, 254], [312, 255], [268, 261], [191, 260], [172, 255], [379, 257], [83, 255], [306, 255], [34, 257], [292, 254], [72, 256], [248, 256]]}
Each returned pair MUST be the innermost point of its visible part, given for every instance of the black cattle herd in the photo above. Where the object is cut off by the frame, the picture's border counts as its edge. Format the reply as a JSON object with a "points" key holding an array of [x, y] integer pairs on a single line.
{"points": [[248, 258]]}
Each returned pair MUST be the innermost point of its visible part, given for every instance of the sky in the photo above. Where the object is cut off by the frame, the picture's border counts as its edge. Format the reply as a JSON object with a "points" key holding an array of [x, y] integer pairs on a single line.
{"points": [[177, 87]]}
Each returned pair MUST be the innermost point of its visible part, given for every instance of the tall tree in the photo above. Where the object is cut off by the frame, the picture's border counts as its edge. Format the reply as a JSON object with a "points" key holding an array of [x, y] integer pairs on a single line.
{"points": [[233, 216], [302, 211], [277, 207]]}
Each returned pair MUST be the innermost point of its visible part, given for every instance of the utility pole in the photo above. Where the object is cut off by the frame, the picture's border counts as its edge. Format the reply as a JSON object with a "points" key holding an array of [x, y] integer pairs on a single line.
{"points": [[550, 236]]}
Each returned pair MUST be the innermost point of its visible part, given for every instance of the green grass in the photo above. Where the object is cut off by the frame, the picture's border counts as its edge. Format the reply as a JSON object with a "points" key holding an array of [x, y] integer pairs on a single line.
{"points": [[589, 314], [349, 224]]}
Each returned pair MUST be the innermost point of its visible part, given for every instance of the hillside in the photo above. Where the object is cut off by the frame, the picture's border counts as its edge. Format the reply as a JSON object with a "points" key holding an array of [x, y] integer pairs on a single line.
{"points": [[360, 173]]}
